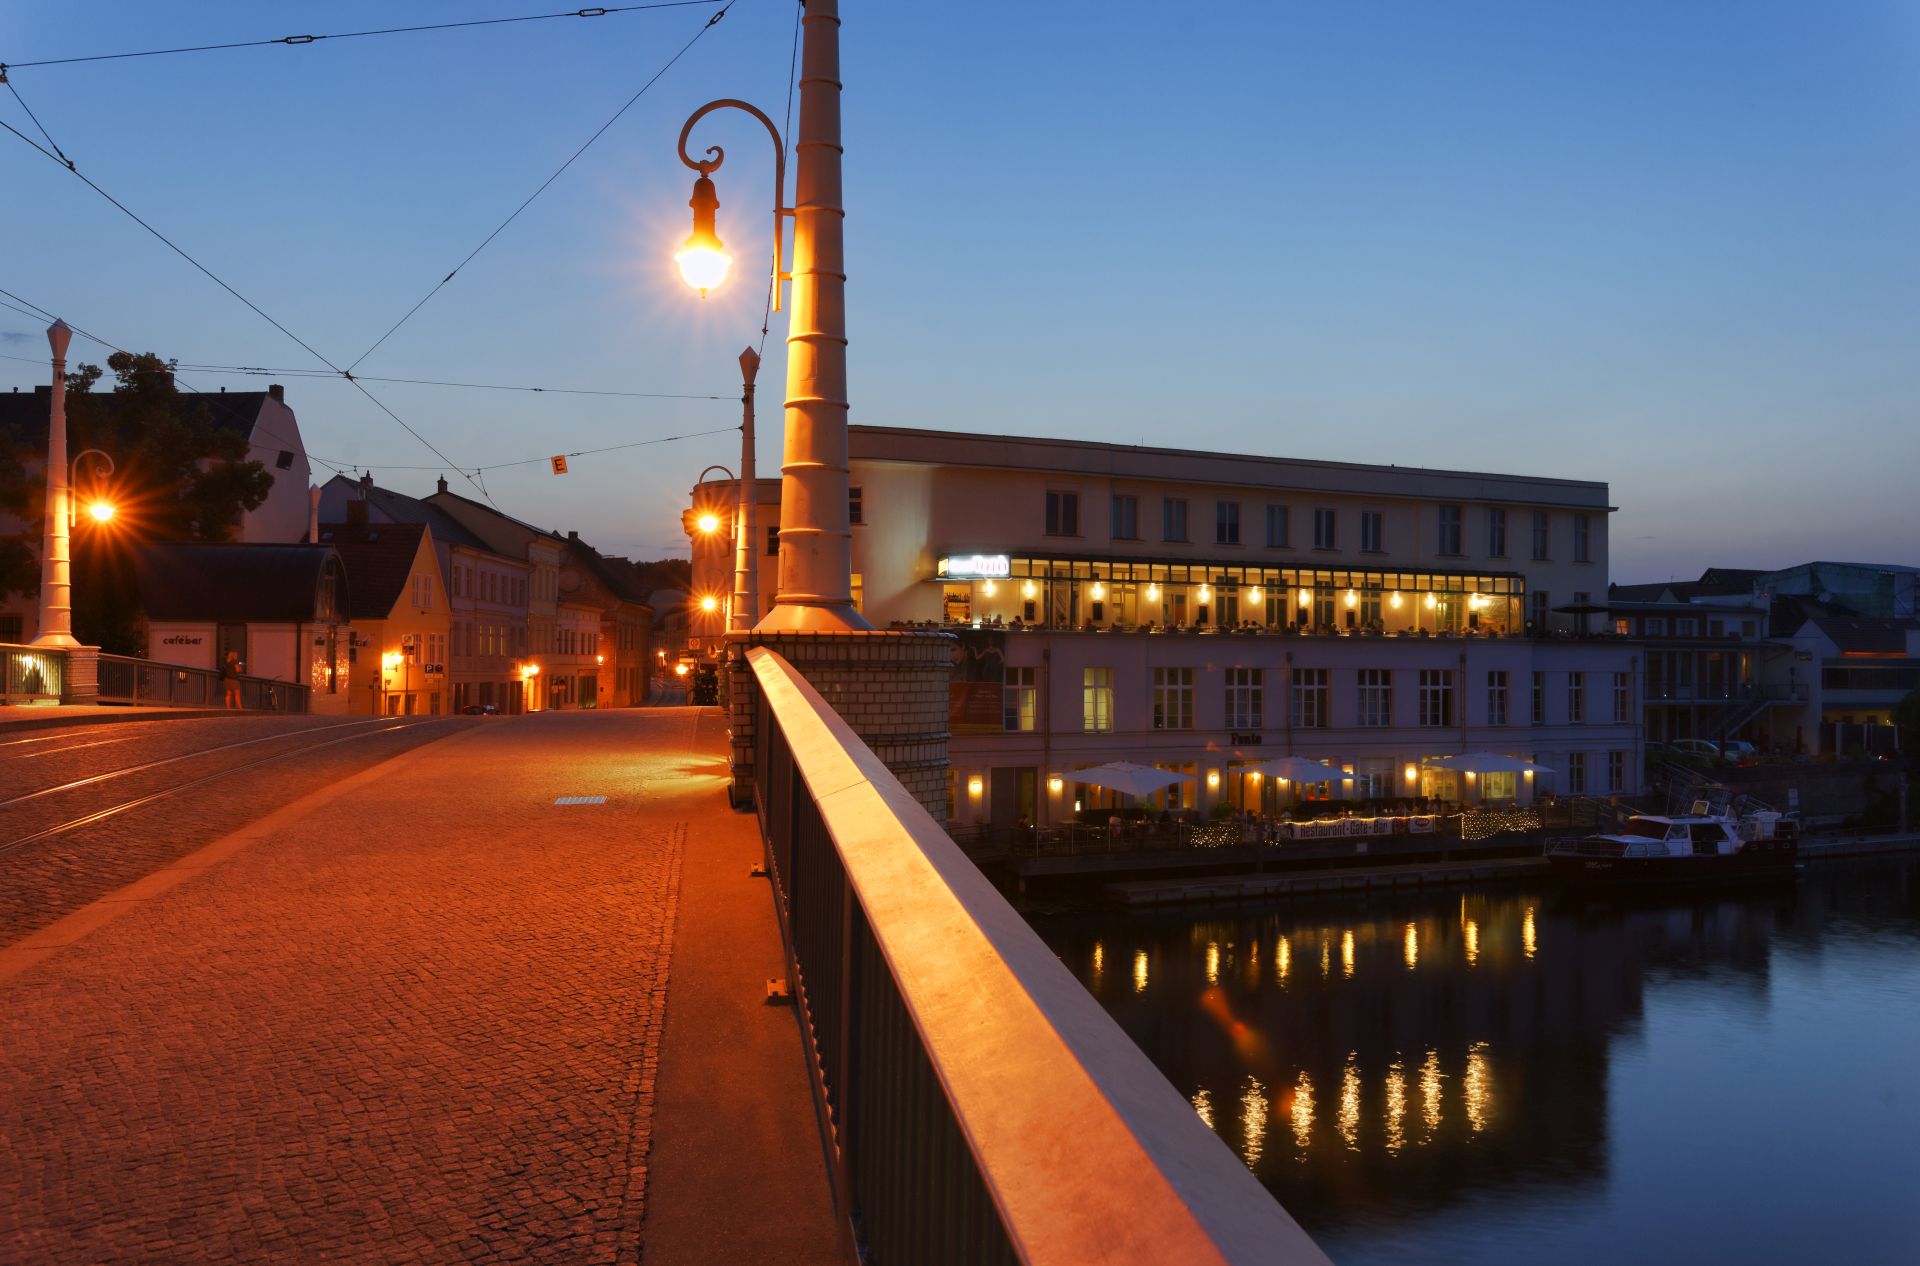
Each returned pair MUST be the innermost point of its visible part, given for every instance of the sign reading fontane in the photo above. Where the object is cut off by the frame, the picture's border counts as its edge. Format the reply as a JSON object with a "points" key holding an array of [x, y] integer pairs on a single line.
{"points": [[977, 566]]}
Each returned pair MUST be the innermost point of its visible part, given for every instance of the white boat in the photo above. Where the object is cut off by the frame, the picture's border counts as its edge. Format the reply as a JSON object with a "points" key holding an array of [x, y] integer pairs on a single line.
{"points": [[1700, 847]]}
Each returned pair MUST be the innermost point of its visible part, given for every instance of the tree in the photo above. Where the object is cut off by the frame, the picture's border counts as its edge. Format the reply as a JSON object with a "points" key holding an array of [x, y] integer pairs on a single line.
{"points": [[177, 477]]}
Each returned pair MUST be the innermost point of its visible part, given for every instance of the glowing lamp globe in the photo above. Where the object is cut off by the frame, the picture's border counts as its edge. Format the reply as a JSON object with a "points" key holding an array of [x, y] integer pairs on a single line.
{"points": [[703, 263], [708, 522], [101, 511], [709, 603]]}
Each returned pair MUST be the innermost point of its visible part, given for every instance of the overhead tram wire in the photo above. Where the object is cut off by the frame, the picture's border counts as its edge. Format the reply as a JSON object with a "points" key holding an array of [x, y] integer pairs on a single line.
{"points": [[786, 127], [297, 41], [502, 226], [266, 370], [212, 276]]}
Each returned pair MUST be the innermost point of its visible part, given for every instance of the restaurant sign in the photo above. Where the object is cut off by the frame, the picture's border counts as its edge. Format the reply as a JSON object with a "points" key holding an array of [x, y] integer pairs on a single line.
{"points": [[977, 566]]}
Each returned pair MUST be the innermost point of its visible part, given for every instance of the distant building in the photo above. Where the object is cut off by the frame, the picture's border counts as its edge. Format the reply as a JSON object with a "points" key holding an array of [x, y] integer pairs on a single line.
{"points": [[398, 607], [1205, 612], [280, 608]]}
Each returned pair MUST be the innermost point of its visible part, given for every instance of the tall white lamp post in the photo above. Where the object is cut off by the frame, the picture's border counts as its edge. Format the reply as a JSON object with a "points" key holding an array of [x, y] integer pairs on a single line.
{"points": [[56, 567], [816, 539], [746, 564]]}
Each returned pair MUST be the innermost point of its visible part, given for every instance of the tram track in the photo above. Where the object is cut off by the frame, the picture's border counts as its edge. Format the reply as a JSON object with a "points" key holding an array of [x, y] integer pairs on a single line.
{"points": [[101, 815], [91, 780]]}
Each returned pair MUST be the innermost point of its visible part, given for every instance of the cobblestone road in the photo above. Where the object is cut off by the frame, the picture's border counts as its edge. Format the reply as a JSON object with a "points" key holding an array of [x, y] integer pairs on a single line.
{"points": [[419, 1024]]}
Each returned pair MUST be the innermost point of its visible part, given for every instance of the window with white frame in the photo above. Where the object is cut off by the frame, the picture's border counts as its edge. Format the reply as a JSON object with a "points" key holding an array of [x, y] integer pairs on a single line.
{"points": [[1376, 697], [1226, 523], [1436, 696], [1096, 700], [1173, 698], [1539, 698], [1126, 518], [1243, 698], [1583, 538], [1020, 698], [1623, 697], [1372, 524], [1497, 697], [1310, 698], [1277, 527], [1576, 698], [1496, 533], [1541, 539], [1616, 772], [1449, 542], [1324, 530], [1576, 773], [1540, 598]]}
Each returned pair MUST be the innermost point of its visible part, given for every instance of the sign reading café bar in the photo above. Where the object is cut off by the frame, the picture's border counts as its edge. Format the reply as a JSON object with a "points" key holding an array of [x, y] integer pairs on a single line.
{"points": [[976, 566]]}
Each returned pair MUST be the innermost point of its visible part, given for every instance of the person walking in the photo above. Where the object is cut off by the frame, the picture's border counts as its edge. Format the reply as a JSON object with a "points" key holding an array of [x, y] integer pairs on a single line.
{"points": [[230, 678]]}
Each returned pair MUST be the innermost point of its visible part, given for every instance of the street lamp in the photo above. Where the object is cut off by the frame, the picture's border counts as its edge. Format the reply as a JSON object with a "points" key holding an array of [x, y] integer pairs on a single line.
{"points": [[99, 509], [816, 537], [56, 574]]}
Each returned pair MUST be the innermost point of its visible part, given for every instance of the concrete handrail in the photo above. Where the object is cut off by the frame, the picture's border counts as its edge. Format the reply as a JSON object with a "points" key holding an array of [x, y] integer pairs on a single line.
{"points": [[1086, 1151]]}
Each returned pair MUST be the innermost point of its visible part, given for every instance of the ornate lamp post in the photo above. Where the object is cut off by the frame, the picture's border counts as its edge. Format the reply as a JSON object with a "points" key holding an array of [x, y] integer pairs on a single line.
{"points": [[816, 540], [99, 509], [56, 569]]}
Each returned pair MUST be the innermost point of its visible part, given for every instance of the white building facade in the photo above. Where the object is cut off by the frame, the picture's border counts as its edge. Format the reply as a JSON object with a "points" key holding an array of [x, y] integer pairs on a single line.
{"points": [[1206, 612]]}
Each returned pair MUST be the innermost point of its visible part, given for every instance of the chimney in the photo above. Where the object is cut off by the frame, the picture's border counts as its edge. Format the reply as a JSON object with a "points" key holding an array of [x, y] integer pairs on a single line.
{"points": [[366, 484], [313, 514], [443, 483], [278, 392]]}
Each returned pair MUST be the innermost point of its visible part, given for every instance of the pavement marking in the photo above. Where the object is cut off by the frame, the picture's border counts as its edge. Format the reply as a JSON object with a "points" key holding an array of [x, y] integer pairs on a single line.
{"points": [[581, 800], [70, 929]]}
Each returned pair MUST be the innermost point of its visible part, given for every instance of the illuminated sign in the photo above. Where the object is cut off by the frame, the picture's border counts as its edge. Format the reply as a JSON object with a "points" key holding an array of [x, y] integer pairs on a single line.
{"points": [[971, 566]]}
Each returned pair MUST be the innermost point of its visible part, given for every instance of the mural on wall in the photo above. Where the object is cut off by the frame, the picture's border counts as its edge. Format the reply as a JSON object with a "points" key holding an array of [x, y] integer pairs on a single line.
{"points": [[974, 689]]}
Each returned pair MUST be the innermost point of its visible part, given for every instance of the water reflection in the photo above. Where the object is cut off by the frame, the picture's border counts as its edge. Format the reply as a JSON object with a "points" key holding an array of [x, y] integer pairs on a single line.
{"points": [[1466, 1046]]}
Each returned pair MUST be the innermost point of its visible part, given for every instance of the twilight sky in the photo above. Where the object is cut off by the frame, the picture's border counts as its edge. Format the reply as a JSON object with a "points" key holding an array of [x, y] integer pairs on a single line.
{"points": [[1672, 247]]}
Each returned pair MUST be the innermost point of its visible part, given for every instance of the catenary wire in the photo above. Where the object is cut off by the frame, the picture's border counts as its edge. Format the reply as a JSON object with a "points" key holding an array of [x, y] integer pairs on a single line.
{"points": [[786, 133], [211, 275], [296, 41], [708, 25], [36, 119], [268, 370]]}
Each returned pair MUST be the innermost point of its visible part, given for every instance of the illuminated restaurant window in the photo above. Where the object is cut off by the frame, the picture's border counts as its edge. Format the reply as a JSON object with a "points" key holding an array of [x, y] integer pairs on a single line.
{"points": [[1021, 699], [1096, 700]]}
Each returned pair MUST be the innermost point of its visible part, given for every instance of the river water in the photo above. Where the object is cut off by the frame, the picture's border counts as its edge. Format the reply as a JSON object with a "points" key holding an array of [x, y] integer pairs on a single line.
{"points": [[1527, 1076]]}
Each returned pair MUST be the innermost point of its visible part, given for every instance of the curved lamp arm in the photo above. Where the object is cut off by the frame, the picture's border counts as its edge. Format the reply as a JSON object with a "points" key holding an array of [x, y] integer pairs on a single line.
{"points": [[73, 478], [717, 156]]}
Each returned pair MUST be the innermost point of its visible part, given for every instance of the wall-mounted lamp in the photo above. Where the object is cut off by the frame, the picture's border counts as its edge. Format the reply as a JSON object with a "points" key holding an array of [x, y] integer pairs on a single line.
{"points": [[976, 786], [1413, 773], [1253, 595], [1306, 597], [1213, 780], [1393, 600], [1055, 784]]}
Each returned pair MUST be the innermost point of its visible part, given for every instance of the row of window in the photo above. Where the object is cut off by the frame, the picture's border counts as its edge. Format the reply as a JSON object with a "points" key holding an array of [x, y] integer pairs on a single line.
{"points": [[485, 638], [1063, 519], [1309, 694], [489, 586]]}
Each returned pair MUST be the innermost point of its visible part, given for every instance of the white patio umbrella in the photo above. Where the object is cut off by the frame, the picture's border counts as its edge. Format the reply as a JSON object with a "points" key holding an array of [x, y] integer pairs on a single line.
{"points": [[1487, 763], [1297, 769], [1129, 778]]}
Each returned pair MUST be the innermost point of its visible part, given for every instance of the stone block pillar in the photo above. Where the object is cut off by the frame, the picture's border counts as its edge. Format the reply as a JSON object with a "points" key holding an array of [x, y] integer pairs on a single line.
{"points": [[889, 685], [80, 683]]}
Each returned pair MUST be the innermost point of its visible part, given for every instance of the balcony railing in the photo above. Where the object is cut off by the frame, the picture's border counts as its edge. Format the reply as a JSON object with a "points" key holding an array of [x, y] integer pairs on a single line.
{"points": [[977, 1104]]}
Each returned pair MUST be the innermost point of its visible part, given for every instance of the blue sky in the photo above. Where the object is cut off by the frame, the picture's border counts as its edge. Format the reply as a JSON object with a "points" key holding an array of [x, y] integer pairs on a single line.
{"points": [[1671, 247]]}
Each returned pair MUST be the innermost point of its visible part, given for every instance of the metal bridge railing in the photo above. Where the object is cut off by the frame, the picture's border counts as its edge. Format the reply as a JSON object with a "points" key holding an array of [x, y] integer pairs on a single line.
{"points": [[978, 1106], [31, 674], [155, 685]]}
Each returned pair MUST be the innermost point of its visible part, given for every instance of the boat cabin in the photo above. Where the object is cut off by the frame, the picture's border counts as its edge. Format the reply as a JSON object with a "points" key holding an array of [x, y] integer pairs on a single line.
{"points": [[1677, 837]]}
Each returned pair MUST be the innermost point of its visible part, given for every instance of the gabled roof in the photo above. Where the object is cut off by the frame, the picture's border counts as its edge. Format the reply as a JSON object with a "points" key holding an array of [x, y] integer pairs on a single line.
{"points": [[401, 508], [229, 582], [379, 557]]}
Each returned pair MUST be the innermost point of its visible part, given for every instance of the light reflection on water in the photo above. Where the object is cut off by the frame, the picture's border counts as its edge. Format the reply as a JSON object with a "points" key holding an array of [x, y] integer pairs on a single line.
{"points": [[1530, 1076]]}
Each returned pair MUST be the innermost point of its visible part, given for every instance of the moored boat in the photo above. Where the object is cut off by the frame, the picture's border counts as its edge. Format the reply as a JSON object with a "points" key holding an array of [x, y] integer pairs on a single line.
{"points": [[1656, 850]]}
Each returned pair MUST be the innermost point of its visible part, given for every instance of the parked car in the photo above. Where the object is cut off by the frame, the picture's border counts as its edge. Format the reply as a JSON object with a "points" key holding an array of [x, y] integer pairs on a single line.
{"points": [[1729, 751], [1739, 751], [480, 710]]}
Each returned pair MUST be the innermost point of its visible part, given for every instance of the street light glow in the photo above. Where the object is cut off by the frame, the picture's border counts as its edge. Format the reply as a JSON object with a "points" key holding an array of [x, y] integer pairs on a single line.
{"points": [[101, 511], [708, 522], [709, 603], [703, 264]]}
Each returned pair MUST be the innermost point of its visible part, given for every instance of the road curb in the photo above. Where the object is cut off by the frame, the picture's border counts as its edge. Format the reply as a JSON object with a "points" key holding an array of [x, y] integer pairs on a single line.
{"points": [[112, 716]]}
